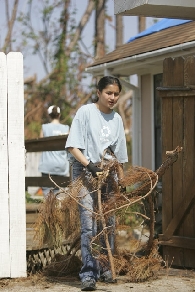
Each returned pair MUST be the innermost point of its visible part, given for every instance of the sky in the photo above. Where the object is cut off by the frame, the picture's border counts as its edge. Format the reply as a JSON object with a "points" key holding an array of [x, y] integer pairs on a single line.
{"points": [[32, 64]]}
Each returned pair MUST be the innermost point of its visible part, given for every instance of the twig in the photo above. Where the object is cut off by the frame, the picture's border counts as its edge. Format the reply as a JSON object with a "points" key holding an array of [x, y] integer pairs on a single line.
{"points": [[138, 200], [72, 197], [142, 215], [105, 230]]}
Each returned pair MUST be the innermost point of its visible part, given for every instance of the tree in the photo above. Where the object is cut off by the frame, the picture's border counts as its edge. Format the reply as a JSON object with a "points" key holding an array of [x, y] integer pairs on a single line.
{"points": [[10, 23], [119, 30], [141, 23], [99, 41], [57, 41], [59, 49]]}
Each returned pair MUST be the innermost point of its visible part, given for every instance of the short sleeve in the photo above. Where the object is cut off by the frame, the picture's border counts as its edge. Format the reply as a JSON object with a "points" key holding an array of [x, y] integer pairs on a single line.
{"points": [[76, 137], [120, 147]]}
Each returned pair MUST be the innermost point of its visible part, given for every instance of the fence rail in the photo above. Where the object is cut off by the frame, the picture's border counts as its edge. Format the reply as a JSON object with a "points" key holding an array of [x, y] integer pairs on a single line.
{"points": [[54, 143], [12, 183]]}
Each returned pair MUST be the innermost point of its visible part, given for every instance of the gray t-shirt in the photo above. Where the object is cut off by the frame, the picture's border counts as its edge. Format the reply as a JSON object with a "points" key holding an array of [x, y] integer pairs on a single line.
{"points": [[54, 162], [93, 131]]}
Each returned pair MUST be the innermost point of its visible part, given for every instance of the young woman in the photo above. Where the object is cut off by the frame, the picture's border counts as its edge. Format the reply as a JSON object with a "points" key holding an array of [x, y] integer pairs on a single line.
{"points": [[53, 162], [95, 128]]}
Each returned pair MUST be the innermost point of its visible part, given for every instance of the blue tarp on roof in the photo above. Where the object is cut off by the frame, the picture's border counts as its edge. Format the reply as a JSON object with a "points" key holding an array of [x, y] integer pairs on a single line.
{"points": [[160, 25]]}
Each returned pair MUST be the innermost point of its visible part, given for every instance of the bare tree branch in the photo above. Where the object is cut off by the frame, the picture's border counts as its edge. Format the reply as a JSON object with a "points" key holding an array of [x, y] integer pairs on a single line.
{"points": [[7, 11], [121, 106], [81, 26], [100, 29], [119, 30], [10, 27]]}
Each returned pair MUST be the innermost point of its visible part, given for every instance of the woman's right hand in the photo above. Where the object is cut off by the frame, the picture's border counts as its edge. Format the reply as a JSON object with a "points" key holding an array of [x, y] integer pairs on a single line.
{"points": [[95, 171]]}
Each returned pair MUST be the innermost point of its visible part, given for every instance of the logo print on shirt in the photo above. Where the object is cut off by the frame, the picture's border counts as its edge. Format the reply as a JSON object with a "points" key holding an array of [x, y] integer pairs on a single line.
{"points": [[105, 133]]}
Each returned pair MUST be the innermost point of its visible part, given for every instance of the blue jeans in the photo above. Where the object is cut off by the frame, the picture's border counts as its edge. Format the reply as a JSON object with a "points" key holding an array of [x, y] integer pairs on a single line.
{"points": [[91, 268]]}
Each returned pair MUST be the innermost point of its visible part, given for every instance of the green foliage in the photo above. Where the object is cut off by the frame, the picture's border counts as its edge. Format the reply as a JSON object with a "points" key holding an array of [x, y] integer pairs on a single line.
{"points": [[34, 127], [128, 218], [64, 68], [29, 199]]}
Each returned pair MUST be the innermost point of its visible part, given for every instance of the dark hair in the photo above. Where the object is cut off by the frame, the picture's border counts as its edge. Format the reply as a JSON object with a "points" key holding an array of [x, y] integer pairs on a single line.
{"points": [[54, 114], [108, 80]]}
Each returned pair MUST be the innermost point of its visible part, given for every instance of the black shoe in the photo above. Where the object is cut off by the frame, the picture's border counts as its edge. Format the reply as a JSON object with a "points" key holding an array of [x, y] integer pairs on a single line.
{"points": [[107, 277], [88, 284]]}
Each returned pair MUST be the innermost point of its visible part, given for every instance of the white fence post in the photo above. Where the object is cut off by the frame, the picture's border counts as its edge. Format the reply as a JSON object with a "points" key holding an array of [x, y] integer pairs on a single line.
{"points": [[4, 198], [16, 171]]}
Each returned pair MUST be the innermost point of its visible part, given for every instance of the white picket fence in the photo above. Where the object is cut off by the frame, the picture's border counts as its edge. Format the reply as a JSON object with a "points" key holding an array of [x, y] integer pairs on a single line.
{"points": [[12, 167], [31, 168]]}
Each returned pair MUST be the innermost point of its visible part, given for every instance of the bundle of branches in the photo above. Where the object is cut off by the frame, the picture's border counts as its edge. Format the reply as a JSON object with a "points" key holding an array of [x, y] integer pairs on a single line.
{"points": [[139, 268], [59, 218]]}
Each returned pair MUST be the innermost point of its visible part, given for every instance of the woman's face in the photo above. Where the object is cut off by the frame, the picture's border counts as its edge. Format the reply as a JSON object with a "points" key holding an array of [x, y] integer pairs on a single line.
{"points": [[108, 98]]}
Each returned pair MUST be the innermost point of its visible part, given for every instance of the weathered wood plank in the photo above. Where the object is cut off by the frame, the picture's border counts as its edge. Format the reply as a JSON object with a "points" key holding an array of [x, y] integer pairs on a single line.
{"points": [[177, 170], [16, 164], [178, 72], [178, 241], [46, 182], [167, 185], [32, 207], [168, 71], [185, 205], [170, 67], [31, 219], [54, 143], [4, 198], [178, 110], [173, 72], [178, 86], [176, 93], [189, 158], [188, 170], [189, 71]]}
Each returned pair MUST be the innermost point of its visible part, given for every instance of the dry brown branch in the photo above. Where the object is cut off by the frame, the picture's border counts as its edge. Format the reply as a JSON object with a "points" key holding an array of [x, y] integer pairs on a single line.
{"points": [[142, 215], [134, 200], [72, 197], [142, 183], [105, 233], [172, 157], [40, 104]]}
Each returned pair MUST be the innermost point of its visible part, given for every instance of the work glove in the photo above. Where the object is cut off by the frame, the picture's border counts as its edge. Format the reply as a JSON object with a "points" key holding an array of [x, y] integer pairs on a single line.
{"points": [[121, 186], [95, 171], [122, 189]]}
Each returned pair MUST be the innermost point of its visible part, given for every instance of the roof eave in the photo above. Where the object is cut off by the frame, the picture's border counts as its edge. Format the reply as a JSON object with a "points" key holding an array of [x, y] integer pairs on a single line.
{"points": [[138, 59]]}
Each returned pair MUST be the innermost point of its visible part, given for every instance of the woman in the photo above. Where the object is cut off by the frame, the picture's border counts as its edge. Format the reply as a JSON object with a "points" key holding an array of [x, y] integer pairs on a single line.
{"points": [[95, 128], [53, 162]]}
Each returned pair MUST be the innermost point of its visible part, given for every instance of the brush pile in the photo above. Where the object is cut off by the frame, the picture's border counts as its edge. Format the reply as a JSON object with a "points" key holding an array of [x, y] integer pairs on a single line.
{"points": [[59, 220]]}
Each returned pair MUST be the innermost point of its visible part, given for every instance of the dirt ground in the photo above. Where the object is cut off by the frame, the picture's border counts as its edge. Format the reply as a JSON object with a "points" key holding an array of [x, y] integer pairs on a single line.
{"points": [[168, 280]]}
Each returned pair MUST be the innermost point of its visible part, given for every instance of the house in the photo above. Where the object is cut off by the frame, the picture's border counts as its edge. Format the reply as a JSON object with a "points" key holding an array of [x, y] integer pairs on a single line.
{"points": [[143, 55], [157, 8]]}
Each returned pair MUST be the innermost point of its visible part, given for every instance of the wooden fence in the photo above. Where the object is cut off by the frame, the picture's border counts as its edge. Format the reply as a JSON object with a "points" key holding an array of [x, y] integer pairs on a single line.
{"points": [[12, 167], [54, 143], [178, 185]]}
